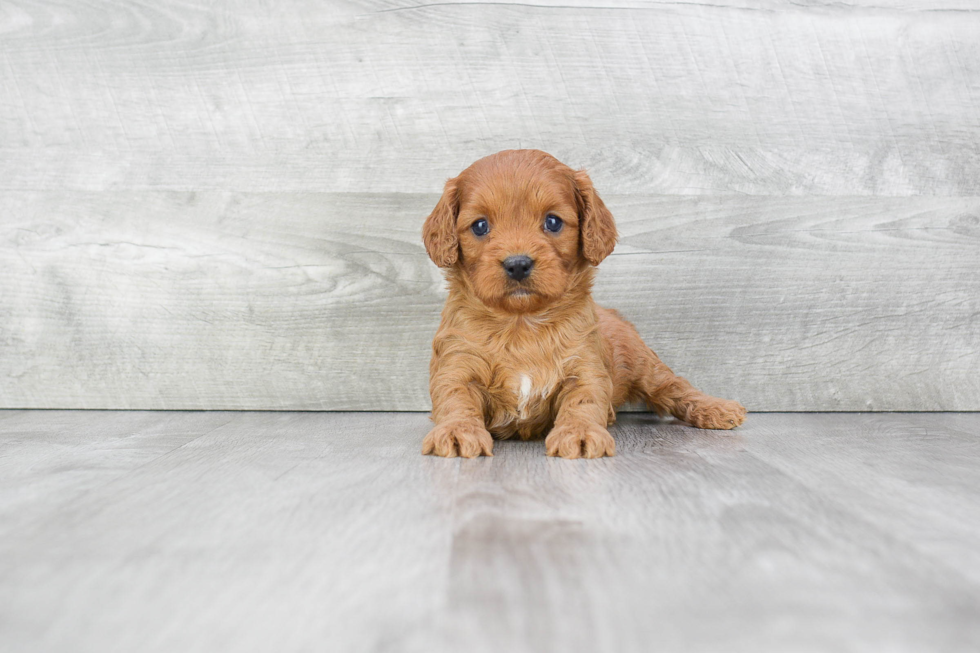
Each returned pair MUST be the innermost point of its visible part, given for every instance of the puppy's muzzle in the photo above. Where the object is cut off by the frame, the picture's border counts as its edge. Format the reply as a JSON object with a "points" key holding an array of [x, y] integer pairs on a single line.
{"points": [[518, 267]]}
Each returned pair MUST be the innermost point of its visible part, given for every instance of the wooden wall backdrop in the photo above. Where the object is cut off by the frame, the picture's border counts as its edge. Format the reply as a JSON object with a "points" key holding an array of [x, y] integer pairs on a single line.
{"points": [[218, 205]]}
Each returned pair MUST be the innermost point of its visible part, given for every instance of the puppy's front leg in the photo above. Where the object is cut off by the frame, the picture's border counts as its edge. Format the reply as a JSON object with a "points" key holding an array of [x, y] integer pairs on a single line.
{"points": [[457, 412], [580, 427]]}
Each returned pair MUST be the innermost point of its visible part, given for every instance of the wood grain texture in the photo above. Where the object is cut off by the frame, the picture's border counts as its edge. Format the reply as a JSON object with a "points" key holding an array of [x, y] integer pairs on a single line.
{"points": [[248, 531], [218, 205], [327, 301], [693, 541], [864, 98], [204, 531]]}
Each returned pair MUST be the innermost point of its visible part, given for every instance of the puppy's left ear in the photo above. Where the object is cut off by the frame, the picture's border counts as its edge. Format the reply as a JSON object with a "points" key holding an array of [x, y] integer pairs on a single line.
{"points": [[439, 231], [597, 229]]}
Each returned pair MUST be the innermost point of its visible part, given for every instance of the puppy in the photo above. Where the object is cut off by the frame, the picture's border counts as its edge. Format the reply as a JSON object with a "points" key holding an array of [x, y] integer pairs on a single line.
{"points": [[522, 348]]}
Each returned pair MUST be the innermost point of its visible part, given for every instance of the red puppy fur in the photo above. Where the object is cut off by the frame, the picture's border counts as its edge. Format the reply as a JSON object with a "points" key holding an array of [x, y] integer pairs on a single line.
{"points": [[523, 349]]}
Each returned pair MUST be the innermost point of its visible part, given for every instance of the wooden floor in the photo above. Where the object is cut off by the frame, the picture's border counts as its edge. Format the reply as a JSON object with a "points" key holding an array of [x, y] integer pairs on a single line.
{"points": [[184, 531]]}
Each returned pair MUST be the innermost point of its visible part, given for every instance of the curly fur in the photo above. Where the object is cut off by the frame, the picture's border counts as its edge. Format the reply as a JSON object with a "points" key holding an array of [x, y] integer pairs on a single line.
{"points": [[537, 356]]}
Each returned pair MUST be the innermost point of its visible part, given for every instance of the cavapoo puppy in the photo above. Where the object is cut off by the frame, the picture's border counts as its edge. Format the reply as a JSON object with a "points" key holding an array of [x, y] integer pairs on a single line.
{"points": [[523, 349]]}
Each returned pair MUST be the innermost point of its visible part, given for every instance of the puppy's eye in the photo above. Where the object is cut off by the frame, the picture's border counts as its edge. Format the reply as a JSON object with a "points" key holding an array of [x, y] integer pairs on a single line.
{"points": [[480, 227], [553, 223]]}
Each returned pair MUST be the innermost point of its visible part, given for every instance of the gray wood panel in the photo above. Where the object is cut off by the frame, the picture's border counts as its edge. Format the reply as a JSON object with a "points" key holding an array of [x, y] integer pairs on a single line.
{"points": [[392, 96], [218, 206], [327, 301], [169, 531]]}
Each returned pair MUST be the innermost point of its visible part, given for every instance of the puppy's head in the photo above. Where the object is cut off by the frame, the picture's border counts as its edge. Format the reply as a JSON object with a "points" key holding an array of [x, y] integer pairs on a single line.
{"points": [[520, 227]]}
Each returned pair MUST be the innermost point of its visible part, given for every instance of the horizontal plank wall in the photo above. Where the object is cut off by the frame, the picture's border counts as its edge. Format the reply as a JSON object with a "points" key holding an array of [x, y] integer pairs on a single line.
{"points": [[220, 207]]}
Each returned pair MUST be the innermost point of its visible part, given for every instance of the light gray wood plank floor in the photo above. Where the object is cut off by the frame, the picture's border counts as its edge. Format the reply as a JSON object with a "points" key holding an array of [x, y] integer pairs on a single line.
{"points": [[211, 531]]}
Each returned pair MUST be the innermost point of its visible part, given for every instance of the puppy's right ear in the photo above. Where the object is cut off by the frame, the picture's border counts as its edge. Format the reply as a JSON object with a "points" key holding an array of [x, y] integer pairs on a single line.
{"points": [[439, 231]]}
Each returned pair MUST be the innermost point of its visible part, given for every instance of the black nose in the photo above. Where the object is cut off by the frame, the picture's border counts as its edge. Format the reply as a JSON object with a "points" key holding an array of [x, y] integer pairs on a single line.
{"points": [[518, 267]]}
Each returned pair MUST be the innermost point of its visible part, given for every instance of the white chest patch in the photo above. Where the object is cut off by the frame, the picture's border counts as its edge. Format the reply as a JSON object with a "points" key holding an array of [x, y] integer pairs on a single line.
{"points": [[524, 396]]}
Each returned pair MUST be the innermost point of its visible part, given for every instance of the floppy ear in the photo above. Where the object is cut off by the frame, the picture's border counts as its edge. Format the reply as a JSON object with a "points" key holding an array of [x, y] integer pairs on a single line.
{"points": [[597, 229], [439, 231]]}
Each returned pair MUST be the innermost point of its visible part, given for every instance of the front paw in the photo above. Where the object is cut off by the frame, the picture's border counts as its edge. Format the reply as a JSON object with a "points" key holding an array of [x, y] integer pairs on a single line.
{"points": [[580, 440], [713, 413], [458, 438]]}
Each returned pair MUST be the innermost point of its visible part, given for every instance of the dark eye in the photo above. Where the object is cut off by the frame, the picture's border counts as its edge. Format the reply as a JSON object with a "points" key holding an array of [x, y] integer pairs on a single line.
{"points": [[480, 227], [553, 223]]}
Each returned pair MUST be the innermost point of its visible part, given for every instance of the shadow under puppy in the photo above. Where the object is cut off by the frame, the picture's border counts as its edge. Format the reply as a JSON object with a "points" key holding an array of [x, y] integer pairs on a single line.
{"points": [[522, 348]]}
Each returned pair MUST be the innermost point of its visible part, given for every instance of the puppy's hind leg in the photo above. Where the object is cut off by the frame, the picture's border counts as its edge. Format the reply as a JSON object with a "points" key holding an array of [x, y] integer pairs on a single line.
{"points": [[645, 377], [666, 392]]}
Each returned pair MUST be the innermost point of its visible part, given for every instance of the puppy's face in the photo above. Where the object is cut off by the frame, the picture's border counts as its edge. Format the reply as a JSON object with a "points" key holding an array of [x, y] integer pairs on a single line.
{"points": [[518, 225]]}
